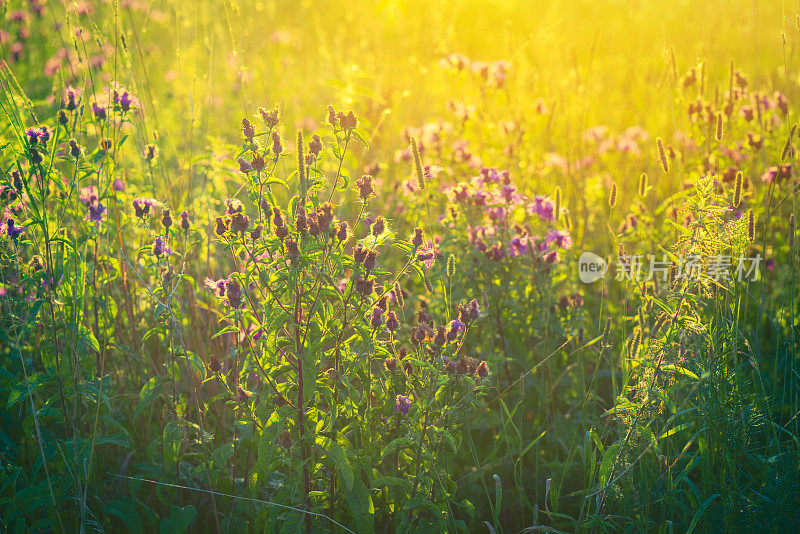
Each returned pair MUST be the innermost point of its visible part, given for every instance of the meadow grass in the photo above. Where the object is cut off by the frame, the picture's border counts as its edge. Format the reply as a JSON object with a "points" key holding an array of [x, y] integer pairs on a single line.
{"points": [[313, 266]]}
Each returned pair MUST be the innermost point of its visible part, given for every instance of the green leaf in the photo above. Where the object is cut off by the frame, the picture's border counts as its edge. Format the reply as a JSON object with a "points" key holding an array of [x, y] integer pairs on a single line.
{"points": [[338, 457], [180, 517]]}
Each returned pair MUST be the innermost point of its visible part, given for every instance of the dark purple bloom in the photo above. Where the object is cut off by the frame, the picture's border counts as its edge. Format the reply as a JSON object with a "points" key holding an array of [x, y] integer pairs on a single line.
{"points": [[12, 230], [543, 207], [99, 111], [402, 404], [160, 247]]}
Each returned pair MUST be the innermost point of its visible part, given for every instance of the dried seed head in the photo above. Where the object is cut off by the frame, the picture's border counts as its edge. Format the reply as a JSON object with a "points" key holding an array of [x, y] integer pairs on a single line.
{"points": [[567, 222], [662, 154], [787, 147], [792, 231], [398, 294], [214, 364], [606, 333], [428, 285], [751, 226], [637, 340], [612, 198], [719, 127], [417, 164], [643, 185], [737, 192], [451, 266]]}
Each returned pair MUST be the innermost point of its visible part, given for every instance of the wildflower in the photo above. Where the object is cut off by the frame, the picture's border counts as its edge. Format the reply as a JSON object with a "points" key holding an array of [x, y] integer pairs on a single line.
{"points": [[255, 234], [370, 259], [342, 285], [379, 226], [221, 227], [402, 404], [234, 293], [315, 146], [160, 247], [239, 223], [360, 253], [292, 249], [258, 163], [234, 206], [99, 111], [270, 118], [185, 220], [244, 165], [325, 217], [214, 364], [12, 230], [483, 370], [364, 286], [543, 207], [427, 255], [347, 122], [559, 238], [96, 211], [365, 189], [376, 320], [247, 130], [277, 217], [119, 185], [418, 238], [277, 148], [142, 205], [70, 99], [74, 149], [38, 134], [166, 219], [150, 152], [441, 337], [218, 286], [341, 234], [390, 364], [391, 321], [453, 328]]}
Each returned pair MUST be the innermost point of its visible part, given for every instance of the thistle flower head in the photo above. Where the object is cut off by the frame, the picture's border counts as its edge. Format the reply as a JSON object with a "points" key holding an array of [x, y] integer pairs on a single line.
{"points": [[402, 404]]}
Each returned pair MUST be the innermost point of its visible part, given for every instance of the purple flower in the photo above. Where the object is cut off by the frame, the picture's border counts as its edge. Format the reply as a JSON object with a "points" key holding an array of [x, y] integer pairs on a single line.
{"points": [[218, 286], [70, 99], [12, 230], [96, 211], [99, 111], [427, 255], [559, 238], [402, 404], [543, 207], [88, 195], [142, 205], [160, 247], [119, 185], [38, 134], [519, 246]]}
